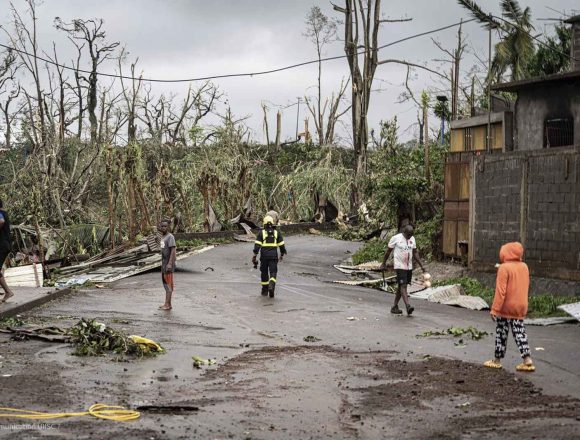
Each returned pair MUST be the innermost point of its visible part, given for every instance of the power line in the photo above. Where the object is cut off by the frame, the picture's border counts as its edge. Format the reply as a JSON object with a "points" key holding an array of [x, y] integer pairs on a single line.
{"points": [[234, 75]]}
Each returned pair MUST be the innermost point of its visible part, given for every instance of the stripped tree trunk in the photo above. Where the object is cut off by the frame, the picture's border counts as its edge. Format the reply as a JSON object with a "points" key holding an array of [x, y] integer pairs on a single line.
{"points": [[278, 129]]}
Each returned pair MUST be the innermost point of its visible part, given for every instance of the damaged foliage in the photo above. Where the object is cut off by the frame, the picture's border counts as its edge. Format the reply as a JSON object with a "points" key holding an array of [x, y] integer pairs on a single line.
{"points": [[474, 333], [92, 338]]}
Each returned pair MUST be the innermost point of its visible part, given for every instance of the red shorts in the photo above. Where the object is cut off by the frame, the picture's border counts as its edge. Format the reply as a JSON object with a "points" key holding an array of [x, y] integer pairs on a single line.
{"points": [[167, 279]]}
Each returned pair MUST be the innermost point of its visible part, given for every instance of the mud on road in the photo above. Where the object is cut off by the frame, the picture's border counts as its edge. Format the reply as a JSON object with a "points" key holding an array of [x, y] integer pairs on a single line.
{"points": [[309, 392]]}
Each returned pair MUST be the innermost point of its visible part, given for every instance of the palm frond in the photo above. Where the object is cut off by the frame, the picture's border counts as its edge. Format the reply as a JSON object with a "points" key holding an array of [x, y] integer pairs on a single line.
{"points": [[512, 10], [478, 13]]}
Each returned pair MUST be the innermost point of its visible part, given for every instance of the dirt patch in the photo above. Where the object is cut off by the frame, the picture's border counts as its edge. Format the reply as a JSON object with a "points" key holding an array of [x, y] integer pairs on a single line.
{"points": [[413, 383], [448, 397], [307, 391], [485, 398]]}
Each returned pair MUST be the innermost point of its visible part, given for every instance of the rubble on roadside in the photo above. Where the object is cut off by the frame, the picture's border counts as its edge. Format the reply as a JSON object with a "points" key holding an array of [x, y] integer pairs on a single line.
{"points": [[39, 263], [370, 275]]}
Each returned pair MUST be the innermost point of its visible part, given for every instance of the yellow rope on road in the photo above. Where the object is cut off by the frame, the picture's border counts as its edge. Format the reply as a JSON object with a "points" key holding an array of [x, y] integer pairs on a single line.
{"points": [[98, 410]]}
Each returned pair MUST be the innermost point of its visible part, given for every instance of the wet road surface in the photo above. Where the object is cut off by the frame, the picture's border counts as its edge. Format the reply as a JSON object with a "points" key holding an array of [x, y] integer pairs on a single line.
{"points": [[366, 378]]}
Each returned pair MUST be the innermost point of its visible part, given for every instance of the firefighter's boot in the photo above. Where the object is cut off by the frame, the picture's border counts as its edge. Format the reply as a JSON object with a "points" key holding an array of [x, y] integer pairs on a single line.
{"points": [[271, 288]]}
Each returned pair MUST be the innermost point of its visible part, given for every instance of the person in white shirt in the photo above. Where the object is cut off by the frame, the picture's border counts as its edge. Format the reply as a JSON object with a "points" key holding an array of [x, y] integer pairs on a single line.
{"points": [[405, 251]]}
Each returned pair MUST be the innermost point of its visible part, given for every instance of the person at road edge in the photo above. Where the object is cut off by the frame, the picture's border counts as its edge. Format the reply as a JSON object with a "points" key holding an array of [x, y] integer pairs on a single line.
{"points": [[405, 251], [4, 250], [168, 256]]}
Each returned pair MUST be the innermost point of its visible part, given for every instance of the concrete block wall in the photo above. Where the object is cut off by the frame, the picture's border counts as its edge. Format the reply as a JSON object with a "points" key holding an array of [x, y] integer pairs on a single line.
{"points": [[553, 214], [497, 204], [532, 197]]}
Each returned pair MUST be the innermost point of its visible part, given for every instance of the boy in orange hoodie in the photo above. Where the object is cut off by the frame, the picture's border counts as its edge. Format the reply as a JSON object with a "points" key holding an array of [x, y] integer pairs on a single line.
{"points": [[510, 305]]}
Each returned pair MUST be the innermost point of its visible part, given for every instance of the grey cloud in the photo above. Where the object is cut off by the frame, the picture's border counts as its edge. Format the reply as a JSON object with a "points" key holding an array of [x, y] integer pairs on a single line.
{"points": [[185, 38]]}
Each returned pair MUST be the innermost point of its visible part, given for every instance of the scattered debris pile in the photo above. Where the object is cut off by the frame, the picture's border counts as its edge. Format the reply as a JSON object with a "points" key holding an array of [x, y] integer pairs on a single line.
{"points": [[572, 309], [62, 257], [370, 275], [89, 338], [457, 332], [474, 333], [119, 263], [452, 296]]}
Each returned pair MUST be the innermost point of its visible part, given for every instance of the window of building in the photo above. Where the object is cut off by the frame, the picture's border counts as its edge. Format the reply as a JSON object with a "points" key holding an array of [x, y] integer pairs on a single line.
{"points": [[558, 132]]}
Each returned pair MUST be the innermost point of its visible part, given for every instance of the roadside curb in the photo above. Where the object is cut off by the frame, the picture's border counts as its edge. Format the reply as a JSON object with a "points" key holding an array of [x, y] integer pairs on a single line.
{"points": [[21, 308]]}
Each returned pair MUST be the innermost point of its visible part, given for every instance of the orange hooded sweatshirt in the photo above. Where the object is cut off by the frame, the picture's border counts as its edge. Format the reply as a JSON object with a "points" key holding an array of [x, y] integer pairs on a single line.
{"points": [[512, 283]]}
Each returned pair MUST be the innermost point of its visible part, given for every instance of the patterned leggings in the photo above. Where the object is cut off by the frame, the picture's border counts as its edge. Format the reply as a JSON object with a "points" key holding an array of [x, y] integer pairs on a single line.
{"points": [[501, 336]]}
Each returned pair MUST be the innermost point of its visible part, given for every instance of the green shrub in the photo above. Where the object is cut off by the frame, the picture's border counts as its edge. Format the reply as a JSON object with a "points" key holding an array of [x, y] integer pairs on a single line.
{"points": [[471, 287], [373, 250]]}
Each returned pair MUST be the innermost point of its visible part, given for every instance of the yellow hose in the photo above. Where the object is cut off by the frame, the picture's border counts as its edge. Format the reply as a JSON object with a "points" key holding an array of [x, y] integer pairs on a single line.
{"points": [[98, 410]]}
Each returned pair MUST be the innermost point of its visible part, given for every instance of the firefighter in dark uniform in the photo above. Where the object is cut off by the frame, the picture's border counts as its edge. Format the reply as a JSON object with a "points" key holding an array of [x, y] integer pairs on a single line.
{"points": [[268, 241]]}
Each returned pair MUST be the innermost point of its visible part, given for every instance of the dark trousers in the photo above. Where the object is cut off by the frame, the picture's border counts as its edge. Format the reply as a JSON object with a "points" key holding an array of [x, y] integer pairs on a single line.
{"points": [[268, 272], [4, 251], [502, 329]]}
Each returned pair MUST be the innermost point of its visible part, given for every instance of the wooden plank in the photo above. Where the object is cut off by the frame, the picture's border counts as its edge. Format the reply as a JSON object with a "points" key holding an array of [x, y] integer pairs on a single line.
{"points": [[497, 141], [450, 210], [24, 276], [449, 237], [20, 270], [457, 140], [478, 137], [462, 232], [451, 181], [472, 214], [463, 211], [129, 252], [108, 274], [464, 181]]}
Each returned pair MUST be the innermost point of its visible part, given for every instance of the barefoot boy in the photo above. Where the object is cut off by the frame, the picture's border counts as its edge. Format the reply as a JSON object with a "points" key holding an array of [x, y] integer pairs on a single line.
{"points": [[168, 249], [510, 305]]}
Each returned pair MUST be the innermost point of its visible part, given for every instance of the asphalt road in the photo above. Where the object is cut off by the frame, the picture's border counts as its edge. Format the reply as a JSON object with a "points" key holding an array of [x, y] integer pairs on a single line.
{"points": [[370, 377]]}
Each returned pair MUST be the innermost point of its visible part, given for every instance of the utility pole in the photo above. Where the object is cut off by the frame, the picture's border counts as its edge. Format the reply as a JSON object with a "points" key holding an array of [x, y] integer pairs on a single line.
{"points": [[442, 102], [488, 143], [297, 117]]}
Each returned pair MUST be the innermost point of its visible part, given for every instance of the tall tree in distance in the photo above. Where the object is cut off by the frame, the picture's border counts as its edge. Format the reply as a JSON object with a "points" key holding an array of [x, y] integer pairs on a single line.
{"points": [[362, 21], [554, 55], [90, 33], [321, 30], [514, 52], [9, 92]]}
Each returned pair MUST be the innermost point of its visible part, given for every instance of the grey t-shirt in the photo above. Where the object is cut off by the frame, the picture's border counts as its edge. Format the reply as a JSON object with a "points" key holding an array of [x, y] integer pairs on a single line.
{"points": [[167, 242]]}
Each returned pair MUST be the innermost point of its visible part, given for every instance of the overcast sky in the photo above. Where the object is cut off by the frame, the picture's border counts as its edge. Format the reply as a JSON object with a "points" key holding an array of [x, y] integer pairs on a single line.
{"points": [[176, 39]]}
